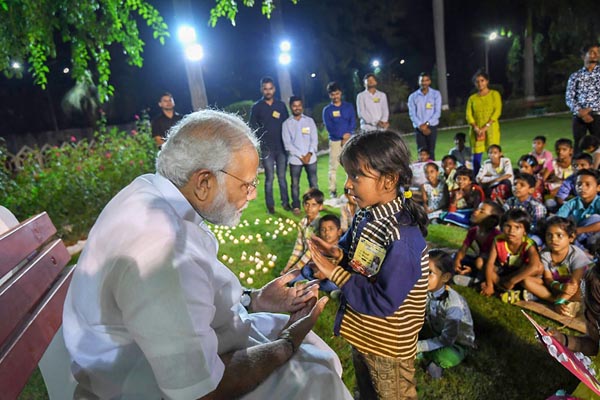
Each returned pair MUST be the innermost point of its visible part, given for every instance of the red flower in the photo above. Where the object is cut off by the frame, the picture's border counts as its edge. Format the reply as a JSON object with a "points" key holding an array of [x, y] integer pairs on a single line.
{"points": [[137, 117], [134, 132], [101, 167], [107, 154], [78, 168], [73, 139]]}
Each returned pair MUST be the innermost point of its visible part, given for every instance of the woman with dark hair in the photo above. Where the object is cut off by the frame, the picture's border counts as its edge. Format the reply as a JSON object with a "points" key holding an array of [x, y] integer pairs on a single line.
{"points": [[483, 110]]}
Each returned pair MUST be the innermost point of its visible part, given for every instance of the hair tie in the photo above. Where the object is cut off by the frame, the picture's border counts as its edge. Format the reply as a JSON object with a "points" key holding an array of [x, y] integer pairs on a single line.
{"points": [[407, 194]]}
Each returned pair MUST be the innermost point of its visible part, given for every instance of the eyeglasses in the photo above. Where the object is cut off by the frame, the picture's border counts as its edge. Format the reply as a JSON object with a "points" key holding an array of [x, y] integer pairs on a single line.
{"points": [[250, 186]]}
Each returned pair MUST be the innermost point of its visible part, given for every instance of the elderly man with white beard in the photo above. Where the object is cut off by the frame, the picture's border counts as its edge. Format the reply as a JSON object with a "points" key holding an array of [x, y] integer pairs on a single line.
{"points": [[151, 312]]}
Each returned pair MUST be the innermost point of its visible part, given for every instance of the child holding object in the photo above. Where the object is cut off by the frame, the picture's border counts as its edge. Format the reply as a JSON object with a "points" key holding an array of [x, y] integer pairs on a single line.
{"points": [[383, 266], [448, 317], [513, 257], [564, 266]]}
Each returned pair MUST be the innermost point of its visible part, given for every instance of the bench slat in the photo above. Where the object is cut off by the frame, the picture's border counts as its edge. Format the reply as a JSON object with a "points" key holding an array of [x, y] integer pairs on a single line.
{"points": [[18, 243], [24, 290], [22, 354]]}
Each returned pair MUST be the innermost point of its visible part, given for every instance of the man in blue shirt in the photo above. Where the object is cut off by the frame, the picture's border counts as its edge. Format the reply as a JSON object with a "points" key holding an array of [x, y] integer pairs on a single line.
{"points": [[300, 139], [267, 117], [424, 109], [583, 95], [340, 121]]}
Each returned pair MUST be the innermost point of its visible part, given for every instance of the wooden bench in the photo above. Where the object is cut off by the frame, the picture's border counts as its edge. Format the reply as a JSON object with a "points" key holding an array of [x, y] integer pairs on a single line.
{"points": [[34, 283]]}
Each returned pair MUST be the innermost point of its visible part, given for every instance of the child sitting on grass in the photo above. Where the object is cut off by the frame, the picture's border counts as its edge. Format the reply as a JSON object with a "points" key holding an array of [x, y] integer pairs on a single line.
{"points": [[464, 199], [562, 168], [584, 210], [567, 189], [434, 192], [529, 165], [496, 175], [564, 266], [542, 156], [449, 164], [447, 316], [523, 199], [513, 257], [591, 145], [329, 230], [480, 238], [312, 202], [462, 153]]}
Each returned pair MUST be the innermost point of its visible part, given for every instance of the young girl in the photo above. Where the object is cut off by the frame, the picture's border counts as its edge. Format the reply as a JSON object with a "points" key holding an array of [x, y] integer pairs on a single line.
{"points": [[448, 318], [449, 165], [564, 265], [383, 266], [529, 165], [496, 175], [434, 192], [513, 257]]}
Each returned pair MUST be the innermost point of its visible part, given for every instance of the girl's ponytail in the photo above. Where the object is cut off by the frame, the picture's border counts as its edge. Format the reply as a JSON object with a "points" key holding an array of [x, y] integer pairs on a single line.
{"points": [[416, 210]]}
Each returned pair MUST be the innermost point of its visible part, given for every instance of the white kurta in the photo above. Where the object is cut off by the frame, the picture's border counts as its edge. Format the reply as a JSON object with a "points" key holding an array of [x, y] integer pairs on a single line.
{"points": [[150, 307]]}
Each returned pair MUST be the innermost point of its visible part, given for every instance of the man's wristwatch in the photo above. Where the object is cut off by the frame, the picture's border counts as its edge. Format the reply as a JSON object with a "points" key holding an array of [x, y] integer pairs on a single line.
{"points": [[246, 299]]}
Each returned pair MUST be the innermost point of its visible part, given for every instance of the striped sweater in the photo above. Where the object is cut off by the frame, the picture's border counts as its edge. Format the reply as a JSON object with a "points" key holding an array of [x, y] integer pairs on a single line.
{"points": [[384, 313]]}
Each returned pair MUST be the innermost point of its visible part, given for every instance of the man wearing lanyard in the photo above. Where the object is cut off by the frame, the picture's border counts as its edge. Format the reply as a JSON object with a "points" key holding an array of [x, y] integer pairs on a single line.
{"points": [[583, 95], [267, 116], [424, 109], [372, 106]]}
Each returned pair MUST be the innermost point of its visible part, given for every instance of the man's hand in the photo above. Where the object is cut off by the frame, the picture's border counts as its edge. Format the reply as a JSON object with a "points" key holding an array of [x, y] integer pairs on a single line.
{"points": [[345, 138], [303, 320], [383, 124], [306, 158], [585, 114], [277, 296], [487, 290], [424, 128]]}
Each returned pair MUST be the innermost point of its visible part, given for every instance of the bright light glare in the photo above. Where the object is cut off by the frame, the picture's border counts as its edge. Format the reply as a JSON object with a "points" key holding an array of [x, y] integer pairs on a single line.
{"points": [[313, 75], [194, 52], [66, 70], [375, 63], [285, 46], [285, 59], [402, 61], [186, 34], [16, 65], [493, 36]]}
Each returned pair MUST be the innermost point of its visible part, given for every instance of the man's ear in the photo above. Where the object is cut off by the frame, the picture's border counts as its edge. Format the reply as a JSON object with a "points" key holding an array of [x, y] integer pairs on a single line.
{"points": [[203, 183]]}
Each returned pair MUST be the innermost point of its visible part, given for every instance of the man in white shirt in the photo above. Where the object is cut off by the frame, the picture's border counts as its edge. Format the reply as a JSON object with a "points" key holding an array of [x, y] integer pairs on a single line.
{"points": [[372, 106], [151, 313], [300, 139]]}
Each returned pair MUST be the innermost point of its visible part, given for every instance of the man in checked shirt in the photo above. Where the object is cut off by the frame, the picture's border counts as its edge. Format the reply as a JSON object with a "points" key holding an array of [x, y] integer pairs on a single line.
{"points": [[583, 95]]}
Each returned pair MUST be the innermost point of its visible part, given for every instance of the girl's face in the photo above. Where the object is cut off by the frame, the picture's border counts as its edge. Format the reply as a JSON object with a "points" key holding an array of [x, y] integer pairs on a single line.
{"points": [[481, 213], [481, 83], [514, 231], [437, 279], [432, 174], [557, 239], [494, 155], [463, 182], [525, 168], [538, 146], [423, 156], [367, 188]]}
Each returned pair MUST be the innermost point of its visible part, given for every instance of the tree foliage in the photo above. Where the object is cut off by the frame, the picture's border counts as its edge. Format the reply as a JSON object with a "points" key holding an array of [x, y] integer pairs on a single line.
{"points": [[32, 30], [229, 8]]}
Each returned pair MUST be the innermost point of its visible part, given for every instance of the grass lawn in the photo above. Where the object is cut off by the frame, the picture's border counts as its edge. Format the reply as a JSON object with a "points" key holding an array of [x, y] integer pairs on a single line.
{"points": [[508, 363]]}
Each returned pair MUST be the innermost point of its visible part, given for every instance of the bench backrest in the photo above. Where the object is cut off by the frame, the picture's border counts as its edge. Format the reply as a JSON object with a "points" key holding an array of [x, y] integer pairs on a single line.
{"points": [[31, 298]]}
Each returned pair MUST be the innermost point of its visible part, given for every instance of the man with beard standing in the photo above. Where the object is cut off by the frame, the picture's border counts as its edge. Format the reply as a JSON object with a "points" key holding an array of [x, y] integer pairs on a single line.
{"points": [[266, 117], [372, 106], [583, 95], [425, 109], [166, 119], [151, 313], [300, 139]]}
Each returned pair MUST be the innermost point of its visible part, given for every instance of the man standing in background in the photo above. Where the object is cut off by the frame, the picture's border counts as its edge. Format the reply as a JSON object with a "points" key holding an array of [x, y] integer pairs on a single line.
{"points": [[340, 121], [166, 119], [583, 95], [425, 109], [267, 117], [372, 106]]}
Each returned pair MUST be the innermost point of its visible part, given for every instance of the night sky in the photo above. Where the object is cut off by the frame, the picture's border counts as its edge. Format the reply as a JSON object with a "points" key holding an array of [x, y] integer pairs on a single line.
{"points": [[237, 57]]}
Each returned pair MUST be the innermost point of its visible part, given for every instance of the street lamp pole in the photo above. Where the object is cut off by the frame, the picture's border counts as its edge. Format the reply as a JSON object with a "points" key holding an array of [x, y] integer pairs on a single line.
{"points": [[490, 38]]}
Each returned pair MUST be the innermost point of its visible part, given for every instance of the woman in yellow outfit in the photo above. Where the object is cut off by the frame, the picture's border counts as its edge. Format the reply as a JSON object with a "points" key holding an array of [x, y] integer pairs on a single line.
{"points": [[483, 110]]}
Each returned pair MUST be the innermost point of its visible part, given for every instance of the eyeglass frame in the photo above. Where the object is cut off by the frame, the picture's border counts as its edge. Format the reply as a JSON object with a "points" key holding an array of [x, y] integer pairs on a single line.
{"points": [[250, 186]]}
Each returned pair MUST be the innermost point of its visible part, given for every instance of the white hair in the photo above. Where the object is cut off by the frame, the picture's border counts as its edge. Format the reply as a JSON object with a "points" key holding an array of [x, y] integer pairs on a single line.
{"points": [[205, 139]]}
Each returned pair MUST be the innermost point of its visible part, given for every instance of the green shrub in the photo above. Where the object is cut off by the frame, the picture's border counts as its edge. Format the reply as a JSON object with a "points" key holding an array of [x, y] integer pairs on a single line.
{"points": [[242, 108], [77, 180]]}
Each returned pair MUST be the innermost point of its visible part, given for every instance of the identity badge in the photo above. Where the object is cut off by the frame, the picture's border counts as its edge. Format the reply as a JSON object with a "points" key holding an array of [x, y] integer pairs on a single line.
{"points": [[276, 115], [368, 257], [336, 113], [306, 130]]}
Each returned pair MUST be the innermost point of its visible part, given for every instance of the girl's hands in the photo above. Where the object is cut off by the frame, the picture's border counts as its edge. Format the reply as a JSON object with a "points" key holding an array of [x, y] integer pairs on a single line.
{"points": [[324, 266]]}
